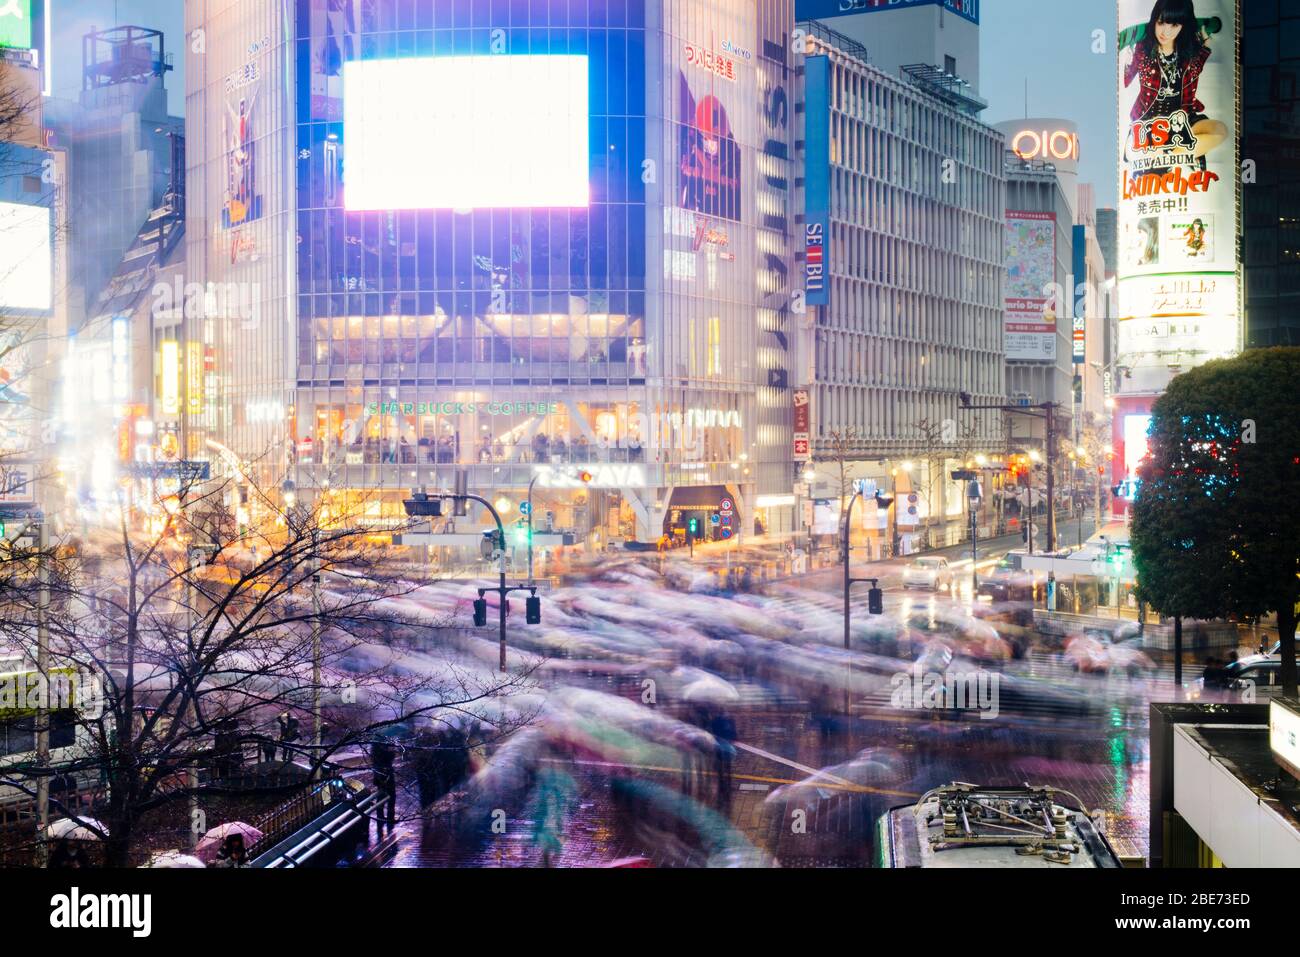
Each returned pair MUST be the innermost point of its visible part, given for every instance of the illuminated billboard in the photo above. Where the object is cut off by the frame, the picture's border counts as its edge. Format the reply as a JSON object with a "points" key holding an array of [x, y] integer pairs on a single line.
{"points": [[1178, 269], [16, 24], [26, 265], [1029, 308], [466, 132]]}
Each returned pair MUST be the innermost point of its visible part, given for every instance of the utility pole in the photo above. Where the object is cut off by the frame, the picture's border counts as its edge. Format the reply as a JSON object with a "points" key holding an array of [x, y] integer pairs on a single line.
{"points": [[42, 713], [315, 653]]}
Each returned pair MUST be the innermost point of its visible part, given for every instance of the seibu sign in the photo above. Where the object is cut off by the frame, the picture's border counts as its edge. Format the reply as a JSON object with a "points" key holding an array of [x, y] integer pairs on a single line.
{"points": [[1046, 145]]}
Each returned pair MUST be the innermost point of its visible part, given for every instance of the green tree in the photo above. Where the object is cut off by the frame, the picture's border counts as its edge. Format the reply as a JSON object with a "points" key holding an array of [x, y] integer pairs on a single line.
{"points": [[1214, 522]]}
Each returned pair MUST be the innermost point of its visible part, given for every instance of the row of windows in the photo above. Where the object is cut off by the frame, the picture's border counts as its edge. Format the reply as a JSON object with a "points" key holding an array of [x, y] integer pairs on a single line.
{"points": [[385, 15], [860, 306], [486, 250], [879, 102], [895, 417], [865, 151], [929, 268], [852, 358]]}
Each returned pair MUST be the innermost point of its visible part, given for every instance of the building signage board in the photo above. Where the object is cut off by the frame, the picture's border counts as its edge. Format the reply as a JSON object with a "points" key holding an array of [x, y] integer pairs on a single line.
{"points": [[1029, 308], [1284, 735], [824, 9], [16, 24], [817, 180], [602, 475], [1178, 200], [802, 425]]}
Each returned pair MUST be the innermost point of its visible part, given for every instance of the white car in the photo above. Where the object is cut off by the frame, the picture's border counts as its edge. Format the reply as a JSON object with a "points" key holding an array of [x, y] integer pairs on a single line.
{"points": [[931, 573]]}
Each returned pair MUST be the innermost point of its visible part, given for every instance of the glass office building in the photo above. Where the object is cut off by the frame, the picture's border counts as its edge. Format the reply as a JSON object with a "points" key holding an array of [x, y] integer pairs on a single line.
{"points": [[523, 239]]}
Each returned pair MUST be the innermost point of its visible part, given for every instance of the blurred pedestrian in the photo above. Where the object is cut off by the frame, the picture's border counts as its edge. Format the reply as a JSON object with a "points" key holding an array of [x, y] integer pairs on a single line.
{"points": [[382, 758], [723, 728], [288, 735]]}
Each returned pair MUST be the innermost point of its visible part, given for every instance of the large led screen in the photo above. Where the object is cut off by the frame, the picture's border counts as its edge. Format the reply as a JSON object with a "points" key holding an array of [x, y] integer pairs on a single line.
{"points": [[466, 132], [26, 278]]}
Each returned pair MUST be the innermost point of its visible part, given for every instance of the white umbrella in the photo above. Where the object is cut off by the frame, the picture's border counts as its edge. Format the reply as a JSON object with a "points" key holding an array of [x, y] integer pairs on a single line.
{"points": [[175, 859], [67, 829], [710, 690]]}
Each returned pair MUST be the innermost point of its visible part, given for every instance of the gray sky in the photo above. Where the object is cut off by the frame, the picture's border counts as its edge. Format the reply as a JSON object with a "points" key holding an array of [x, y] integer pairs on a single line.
{"points": [[1049, 43]]}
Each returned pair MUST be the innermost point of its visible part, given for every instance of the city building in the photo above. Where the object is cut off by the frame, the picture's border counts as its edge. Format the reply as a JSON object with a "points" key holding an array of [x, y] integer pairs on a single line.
{"points": [[560, 243], [33, 272], [1039, 258], [120, 144], [941, 38], [902, 200], [1270, 144]]}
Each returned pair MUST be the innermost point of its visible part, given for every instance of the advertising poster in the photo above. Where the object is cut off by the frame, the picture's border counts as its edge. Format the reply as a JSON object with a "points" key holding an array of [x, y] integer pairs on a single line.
{"points": [[709, 156], [1178, 265], [1029, 310], [16, 24], [335, 32], [242, 204]]}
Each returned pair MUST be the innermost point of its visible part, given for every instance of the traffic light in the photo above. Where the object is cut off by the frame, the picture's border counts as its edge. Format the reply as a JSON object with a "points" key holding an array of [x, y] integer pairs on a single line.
{"points": [[533, 610], [480, 612], [876, 602], [693, 527], [419, 505], [522, 536]]}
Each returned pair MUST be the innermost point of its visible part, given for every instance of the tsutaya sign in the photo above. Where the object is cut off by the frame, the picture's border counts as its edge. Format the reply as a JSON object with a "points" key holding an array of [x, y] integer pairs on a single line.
{"points": [[603, 475]]}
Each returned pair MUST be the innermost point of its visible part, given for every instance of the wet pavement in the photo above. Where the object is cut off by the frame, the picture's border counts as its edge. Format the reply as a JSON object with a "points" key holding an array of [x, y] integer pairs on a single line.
{"points": [[1089, 736]]}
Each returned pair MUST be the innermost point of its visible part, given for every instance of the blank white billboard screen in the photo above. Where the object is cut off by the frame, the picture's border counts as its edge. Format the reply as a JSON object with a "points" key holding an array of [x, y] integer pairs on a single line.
{"points": [[26, 260], [469, 132]]}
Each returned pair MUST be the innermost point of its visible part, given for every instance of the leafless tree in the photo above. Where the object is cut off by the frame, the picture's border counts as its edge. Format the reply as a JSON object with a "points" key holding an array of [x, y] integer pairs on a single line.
{"points": [[196, 637]]}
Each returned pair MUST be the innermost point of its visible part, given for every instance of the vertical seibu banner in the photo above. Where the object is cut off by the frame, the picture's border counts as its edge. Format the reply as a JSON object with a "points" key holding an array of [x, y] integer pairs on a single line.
{"points": [[1178, 263], [817, 179]]}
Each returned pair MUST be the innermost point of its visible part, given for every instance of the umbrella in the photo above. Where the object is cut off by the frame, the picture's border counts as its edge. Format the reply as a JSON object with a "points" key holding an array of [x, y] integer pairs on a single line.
{"points": [[710, 690], [211, 842], [67, 829], [175, 859]]}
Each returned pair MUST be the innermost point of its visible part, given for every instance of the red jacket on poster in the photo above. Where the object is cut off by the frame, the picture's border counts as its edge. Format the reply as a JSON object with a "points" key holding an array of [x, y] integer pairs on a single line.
{"points": [[1146, 66]]}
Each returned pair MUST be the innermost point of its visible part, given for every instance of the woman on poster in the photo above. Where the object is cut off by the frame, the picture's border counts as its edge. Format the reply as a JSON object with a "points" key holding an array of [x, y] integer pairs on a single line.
{"points": [[1167, 61]]}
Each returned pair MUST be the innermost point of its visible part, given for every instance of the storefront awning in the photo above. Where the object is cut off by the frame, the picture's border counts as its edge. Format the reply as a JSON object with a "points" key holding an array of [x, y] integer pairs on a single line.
{"points": [[700, 497]]}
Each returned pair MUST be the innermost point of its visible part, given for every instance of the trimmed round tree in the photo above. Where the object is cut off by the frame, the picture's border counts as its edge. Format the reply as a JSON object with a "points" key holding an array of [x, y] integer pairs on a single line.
{"points": [[1216, 522]]}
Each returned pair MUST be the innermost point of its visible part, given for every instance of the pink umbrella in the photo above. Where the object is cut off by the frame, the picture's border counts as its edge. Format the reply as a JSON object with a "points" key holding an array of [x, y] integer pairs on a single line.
{"points": [[211, 842]]}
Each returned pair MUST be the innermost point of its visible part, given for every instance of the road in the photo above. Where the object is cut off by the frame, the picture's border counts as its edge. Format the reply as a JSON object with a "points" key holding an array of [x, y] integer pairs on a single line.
{"points": [[678, 806]]}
